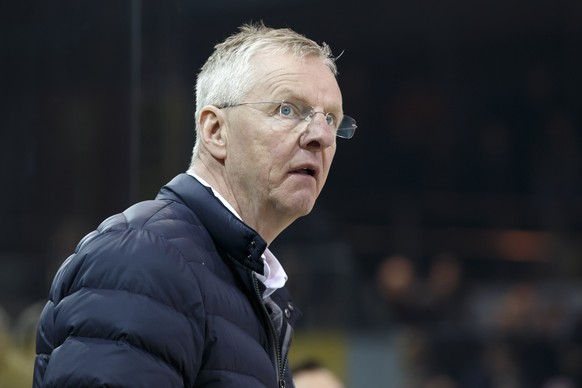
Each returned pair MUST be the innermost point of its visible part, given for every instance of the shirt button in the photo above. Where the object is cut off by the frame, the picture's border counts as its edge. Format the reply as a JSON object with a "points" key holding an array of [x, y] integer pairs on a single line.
{"points": [[287, 312]]}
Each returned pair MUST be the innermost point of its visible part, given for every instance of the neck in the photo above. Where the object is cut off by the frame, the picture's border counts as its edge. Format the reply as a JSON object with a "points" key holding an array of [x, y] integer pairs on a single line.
{"points": [[265, 221]]}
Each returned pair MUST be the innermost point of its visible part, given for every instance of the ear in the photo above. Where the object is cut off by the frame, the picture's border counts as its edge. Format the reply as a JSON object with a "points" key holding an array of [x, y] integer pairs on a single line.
{"points": [[213, 131]]}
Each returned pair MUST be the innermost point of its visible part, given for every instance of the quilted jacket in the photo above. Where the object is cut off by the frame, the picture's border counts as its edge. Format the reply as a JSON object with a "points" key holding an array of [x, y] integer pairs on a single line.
{"points": [[165, 295]]}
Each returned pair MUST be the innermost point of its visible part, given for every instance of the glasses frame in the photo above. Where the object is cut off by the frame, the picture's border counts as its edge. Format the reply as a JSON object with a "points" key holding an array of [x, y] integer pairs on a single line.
{"points": [[345, 130]]}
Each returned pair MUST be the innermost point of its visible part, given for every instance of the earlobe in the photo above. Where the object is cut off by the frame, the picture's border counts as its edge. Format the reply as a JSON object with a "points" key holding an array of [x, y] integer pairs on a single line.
{"points": [[212, 129]]}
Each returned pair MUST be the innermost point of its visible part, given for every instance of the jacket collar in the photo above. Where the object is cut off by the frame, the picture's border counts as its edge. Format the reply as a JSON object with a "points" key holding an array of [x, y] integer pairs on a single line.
{"points": [[238, 239]]}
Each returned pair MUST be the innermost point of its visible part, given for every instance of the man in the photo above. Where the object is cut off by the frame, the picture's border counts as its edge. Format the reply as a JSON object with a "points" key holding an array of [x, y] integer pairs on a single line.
{"points": [[182, 291]]}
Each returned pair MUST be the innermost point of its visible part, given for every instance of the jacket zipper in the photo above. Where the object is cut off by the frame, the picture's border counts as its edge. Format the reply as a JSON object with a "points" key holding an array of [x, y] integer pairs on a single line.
{"points": [[281, 365]]}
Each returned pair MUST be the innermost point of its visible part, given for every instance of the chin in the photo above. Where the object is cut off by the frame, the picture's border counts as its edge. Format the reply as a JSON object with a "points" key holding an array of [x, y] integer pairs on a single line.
{"points": [[298, 207]]}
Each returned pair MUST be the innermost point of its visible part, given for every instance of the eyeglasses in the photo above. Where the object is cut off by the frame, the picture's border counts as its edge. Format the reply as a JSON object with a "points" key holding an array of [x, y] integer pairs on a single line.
{"points": [[294, 114]]}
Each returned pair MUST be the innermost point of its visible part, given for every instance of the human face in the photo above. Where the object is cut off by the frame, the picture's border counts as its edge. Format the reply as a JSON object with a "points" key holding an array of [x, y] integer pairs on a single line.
{"points": [[277, 175]]}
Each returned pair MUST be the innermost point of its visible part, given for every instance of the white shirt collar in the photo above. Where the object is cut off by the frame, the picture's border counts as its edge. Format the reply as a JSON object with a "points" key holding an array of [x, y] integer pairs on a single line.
{"points": [[274, 276]]}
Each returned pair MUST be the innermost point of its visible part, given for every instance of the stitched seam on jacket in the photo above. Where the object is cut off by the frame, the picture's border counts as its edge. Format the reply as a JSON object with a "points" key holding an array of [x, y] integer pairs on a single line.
{"points": [[206, 370], [128, 344]]}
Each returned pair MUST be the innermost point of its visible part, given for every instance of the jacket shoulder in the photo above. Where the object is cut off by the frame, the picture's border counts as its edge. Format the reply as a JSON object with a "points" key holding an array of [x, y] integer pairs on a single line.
{"points": [[141, 250], [155, 214], [127, 297]]}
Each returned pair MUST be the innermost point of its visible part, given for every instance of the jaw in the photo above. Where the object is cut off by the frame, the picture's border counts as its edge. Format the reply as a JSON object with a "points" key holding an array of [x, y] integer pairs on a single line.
{"points": [[297, 195]]}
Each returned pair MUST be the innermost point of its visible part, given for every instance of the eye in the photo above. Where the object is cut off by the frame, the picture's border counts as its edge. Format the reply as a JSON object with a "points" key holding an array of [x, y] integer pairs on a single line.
{"points": [[331, 120], [288, 111]]}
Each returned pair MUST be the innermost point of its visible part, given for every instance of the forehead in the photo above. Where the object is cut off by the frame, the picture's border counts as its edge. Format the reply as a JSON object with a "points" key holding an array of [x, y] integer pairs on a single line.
{"points": [[286, 76]]}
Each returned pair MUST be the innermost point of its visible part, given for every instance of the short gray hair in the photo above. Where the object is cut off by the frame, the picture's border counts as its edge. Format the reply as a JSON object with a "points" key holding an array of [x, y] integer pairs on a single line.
{"points": [[227, 76]]}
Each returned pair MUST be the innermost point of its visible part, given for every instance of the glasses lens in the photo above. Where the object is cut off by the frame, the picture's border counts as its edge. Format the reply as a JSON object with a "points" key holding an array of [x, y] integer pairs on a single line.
{"points": [[347, 128]]}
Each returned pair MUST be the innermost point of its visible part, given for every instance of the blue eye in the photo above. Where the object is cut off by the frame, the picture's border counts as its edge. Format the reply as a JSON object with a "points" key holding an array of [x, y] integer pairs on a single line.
{"points": [[330, 120], [288, 110]]}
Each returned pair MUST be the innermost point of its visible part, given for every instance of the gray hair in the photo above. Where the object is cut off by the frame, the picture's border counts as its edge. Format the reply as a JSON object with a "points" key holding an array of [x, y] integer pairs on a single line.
{"points": [[227, 76]]}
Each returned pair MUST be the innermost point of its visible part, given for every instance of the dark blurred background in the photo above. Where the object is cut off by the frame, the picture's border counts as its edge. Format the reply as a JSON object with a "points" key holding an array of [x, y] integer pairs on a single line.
{"points": [[446, 247]]}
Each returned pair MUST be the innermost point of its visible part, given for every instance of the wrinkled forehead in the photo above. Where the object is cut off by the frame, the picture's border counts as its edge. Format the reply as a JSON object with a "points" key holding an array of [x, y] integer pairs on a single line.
{"points": [[308, 79]]}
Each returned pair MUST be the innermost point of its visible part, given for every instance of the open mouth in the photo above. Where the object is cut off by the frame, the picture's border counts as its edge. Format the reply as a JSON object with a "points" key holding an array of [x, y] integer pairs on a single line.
{"points": [[305, 171]]}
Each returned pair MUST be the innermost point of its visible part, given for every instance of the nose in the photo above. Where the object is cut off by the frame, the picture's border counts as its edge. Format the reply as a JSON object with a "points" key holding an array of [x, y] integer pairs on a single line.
{"points": [[318, 134]]}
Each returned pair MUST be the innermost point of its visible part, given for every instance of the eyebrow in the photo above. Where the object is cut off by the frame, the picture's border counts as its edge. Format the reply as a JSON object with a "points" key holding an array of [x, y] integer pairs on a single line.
{"points": [[335, 111], [286, 91]]}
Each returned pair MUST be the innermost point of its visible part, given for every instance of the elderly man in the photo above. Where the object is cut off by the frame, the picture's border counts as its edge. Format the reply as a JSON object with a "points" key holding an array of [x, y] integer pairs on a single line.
{"points": [[182, 291]]}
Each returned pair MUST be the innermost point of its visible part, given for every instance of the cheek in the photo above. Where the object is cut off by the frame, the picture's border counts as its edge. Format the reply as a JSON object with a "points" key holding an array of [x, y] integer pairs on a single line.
{"points": [[275, 162], [327, 161], [328, 156], [266, 161]]}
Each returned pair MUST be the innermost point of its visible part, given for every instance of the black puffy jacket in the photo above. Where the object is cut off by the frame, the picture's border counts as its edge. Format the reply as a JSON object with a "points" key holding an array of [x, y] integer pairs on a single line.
{"points": [[165, 295]]}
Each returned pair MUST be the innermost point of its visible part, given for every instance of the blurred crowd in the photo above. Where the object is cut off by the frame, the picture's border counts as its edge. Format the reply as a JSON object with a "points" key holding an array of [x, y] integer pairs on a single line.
{"points": [[453, 334], [17, 347]]}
